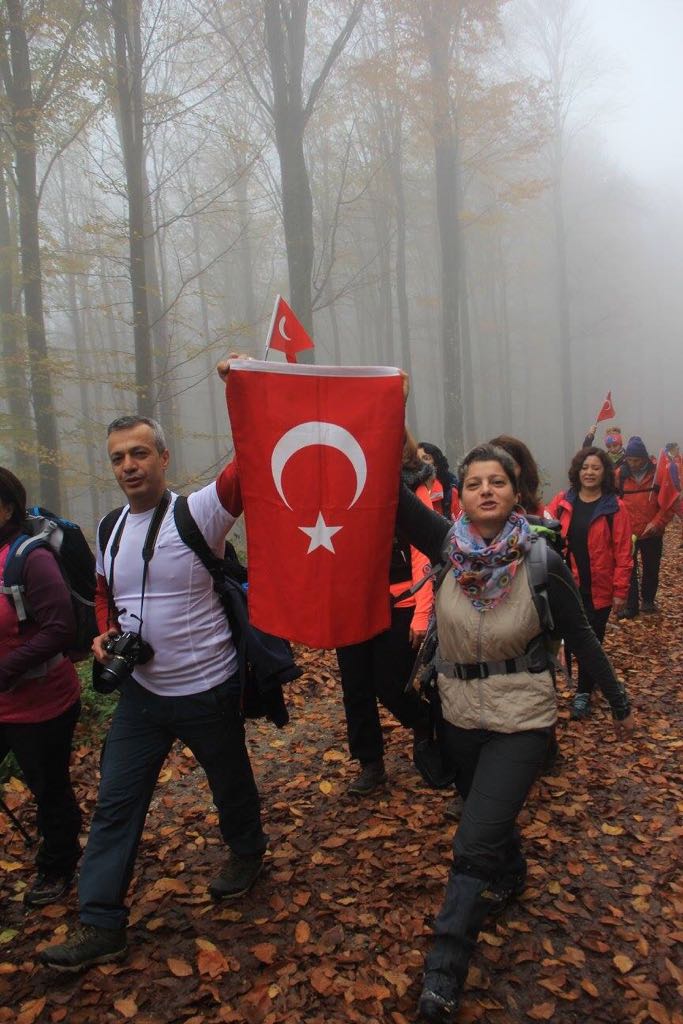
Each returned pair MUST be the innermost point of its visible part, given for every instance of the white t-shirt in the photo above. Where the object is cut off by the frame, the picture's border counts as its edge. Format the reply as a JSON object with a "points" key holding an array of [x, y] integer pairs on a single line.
{"points": [[183, 618]]}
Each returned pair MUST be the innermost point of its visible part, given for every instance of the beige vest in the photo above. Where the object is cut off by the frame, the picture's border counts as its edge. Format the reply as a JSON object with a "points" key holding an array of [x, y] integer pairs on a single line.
{"points": [[502, 703]]}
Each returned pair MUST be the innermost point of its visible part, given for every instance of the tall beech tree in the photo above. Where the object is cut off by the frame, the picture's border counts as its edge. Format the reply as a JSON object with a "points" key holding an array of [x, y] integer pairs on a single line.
{"points": [[128, 50], [289, 104], [27, 103]]}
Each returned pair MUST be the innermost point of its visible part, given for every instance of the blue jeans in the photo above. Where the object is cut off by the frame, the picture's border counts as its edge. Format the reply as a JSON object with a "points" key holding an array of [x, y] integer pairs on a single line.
{"points": [[142, 732]]}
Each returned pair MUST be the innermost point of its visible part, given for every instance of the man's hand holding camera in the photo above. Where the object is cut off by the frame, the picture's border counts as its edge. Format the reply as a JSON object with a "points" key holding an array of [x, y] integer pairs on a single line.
{"points": [[99, 648]]}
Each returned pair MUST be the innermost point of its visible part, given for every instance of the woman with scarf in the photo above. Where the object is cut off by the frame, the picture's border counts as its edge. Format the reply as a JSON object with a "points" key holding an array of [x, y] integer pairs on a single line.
{"points": [[378, 669], [497, 697], [40, 699]]}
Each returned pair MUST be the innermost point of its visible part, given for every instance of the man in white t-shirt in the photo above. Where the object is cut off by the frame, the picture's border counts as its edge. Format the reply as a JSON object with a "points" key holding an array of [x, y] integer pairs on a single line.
{"points": [[188, 690]]}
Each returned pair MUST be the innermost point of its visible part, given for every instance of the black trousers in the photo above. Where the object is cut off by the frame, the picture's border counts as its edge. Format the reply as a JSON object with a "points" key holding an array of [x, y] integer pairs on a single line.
{"points": [[495, 773], [649, 549], [597, 619], [378, 669], [142, 732], [42, 750]]}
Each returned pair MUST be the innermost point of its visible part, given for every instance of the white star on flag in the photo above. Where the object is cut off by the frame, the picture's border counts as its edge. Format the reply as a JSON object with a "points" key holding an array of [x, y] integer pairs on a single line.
{"points": [[321, 535]]}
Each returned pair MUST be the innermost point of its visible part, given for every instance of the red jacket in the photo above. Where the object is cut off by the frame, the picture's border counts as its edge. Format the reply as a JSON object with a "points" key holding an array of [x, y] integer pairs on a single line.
{"points": [[610, 549], [641, 500]]}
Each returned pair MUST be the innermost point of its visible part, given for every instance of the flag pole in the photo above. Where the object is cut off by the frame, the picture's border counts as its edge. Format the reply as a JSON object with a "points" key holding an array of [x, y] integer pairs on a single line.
{"points": [[270, 328], [662, 454]]}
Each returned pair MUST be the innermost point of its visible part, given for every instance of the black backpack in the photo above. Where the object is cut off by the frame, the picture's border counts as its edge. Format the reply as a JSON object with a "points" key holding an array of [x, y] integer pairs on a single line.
{"points": [[76, 562]]}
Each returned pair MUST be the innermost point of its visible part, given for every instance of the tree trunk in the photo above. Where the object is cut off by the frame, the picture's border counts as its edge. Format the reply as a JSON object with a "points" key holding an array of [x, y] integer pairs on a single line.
{"points": [[218, 449], [288, 119], [87, 424], [18, 399], [569, 439], [129, 88], [246, 258], [285, 41], [20, 94], [396, 171], [437, 22]]}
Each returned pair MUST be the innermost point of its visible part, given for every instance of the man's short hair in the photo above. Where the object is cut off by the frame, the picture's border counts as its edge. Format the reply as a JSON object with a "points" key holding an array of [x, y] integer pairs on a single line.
{"points": [[128, 422]]}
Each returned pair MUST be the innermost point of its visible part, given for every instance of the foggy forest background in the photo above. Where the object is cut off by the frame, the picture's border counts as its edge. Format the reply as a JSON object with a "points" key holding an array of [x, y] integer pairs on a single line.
{"points": [[426, 182]]}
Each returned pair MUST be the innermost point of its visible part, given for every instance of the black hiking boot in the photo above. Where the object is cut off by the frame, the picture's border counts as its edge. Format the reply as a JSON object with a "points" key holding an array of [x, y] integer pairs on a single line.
{"points": [[505, 891], [371, 777], [650, 608], [236, 878], [47, 888], [439, 999], [89, 945]]}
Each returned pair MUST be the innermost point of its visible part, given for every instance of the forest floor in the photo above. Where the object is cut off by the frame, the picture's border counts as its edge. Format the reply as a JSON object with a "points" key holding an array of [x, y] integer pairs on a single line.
{"points": [[337, 927]]}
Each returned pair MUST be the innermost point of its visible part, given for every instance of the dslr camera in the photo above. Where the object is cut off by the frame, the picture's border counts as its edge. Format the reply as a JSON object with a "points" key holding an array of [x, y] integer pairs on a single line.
{"points": [[126, 651]]}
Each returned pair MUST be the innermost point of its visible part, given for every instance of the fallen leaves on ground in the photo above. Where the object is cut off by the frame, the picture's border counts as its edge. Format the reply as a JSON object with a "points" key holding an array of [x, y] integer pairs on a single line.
{"points": [[337, 927]]}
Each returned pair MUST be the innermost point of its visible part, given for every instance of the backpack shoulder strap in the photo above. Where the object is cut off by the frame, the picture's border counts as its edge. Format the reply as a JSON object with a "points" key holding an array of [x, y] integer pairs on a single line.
{"points": [[536, 565], [106, 527], [191, 535], [13, 574]]}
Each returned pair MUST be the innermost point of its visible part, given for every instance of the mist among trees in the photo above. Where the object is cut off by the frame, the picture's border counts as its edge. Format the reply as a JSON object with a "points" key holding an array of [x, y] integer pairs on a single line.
{"points": [[427, 183]]}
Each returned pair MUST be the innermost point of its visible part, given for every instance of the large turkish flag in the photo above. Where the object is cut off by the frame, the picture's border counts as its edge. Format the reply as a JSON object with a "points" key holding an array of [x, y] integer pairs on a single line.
{"points": [[318, 452]]}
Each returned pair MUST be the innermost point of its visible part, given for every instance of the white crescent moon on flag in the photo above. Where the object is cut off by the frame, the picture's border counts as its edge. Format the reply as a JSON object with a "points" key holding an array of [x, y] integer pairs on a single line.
{"points": [[281, 328], [316, 432]]}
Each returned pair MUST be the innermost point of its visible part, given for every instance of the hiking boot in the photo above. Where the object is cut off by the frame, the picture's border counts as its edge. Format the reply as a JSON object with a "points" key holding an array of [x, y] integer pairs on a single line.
{"points": [[439, 999], [236, 878], [581, 706], [47, 888], [89, 945], [627, 613], [505, 891], [371, 777], [649, 608]]}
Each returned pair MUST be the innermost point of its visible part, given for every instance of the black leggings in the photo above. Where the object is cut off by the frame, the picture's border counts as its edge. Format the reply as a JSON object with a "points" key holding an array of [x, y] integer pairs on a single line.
{"points": [[597, 619], [42, 750]]}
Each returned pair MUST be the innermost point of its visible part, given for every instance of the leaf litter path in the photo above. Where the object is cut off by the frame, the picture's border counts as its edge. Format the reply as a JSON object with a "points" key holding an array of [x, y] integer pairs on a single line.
{"points": [[337, 927]]}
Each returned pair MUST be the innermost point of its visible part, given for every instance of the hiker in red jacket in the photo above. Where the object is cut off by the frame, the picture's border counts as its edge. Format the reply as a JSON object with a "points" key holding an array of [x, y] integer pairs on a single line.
{"points": [[597, 528], [650, 513]]}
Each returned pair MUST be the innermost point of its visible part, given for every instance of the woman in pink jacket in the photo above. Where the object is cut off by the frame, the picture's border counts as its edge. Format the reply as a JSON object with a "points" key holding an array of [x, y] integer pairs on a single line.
{"points": [[597, 528]]}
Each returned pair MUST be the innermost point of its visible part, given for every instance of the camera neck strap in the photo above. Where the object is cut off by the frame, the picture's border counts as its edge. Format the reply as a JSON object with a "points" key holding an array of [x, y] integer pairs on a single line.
{"points": [[147, 553]]}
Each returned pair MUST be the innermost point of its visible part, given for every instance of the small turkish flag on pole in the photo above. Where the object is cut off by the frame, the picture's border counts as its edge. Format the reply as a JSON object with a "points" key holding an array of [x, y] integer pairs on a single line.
{"points": [[286, 332], [607, 411], [318, 450]]}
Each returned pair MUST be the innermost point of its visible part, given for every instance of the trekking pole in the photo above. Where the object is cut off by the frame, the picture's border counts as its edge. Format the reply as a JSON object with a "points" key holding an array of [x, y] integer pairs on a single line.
{"points": [[28, 839]]}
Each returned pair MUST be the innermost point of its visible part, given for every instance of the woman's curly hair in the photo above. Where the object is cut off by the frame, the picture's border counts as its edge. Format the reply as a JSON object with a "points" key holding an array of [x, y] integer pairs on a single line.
{"points": [[609, 484]]}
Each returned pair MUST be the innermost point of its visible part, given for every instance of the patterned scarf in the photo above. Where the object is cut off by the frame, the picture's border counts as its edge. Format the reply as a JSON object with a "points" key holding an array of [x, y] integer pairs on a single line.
{"points": [[485, 570]]}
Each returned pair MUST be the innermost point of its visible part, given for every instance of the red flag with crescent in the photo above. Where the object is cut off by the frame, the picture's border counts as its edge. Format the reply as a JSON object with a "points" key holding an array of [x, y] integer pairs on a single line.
{"points": [[286, 332], [607, 411], [318, 451]]}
